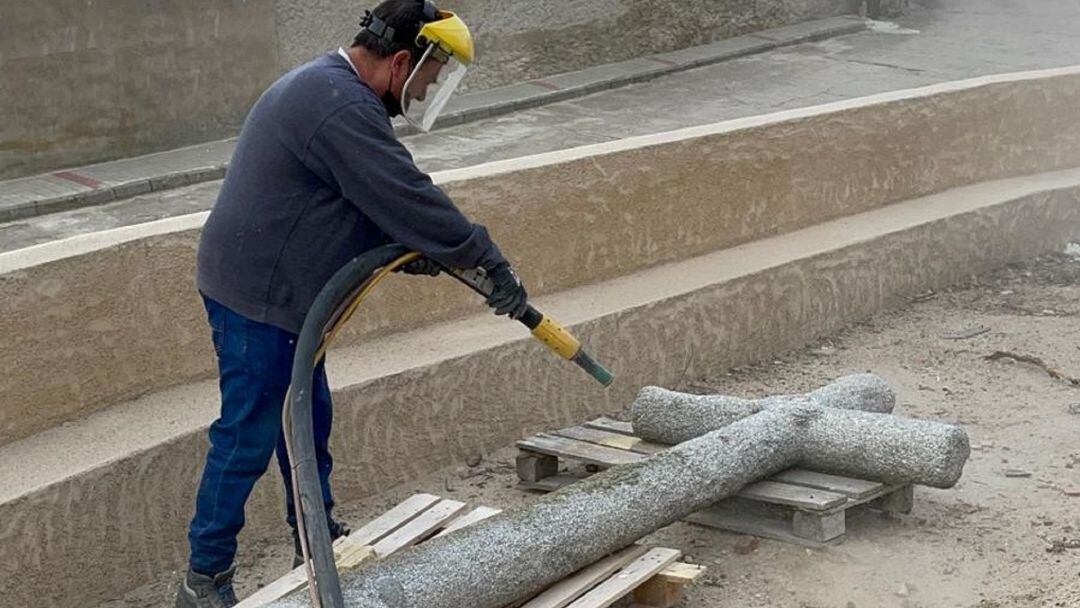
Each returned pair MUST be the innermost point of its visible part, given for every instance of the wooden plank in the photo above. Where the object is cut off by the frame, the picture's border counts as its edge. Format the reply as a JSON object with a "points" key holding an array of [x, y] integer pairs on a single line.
{"points": [[347, 556], [351, 557], [419, 528], [470, 518], [794, 496], [666, 588], [608, 424], [629, 578], [754, 523], [681, 573], [276, 590], [854, 488], [574, 586], [578, 450], [378, 528], [611, 440], [349, 551]]}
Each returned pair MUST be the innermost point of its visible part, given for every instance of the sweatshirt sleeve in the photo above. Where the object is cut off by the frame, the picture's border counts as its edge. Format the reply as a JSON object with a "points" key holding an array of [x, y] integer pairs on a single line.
{"points": [[374, 171]]}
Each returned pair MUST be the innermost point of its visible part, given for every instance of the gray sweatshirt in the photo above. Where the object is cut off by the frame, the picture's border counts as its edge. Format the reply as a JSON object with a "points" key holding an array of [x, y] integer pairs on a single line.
{"points": [[318, 177]]}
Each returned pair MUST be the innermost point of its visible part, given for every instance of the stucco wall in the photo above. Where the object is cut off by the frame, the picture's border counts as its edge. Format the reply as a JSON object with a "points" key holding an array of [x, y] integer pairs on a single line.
{"points": [[87, 81], [87, 330], [91, 536]]}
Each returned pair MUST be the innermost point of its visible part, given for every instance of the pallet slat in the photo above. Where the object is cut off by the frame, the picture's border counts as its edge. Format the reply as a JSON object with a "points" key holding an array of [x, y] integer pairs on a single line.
{"points": [[764, 491], [351, 557], [349, 551], [854, 488], [794, 496], [753, 524], [586, 452], [681, 573], [376, 529], [470, 518], [295, 579], [419, 528], [569, 589], [614, 426], [348, 555], [611, 440], [633, 575]]}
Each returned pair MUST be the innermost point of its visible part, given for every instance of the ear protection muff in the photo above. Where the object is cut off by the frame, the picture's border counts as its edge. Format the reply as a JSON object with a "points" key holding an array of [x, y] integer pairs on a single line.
{"points": [[380, 29]]}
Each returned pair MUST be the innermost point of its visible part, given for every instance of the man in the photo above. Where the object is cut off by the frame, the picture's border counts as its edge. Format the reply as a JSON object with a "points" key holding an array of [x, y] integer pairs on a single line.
{"points": [[317, 178]]}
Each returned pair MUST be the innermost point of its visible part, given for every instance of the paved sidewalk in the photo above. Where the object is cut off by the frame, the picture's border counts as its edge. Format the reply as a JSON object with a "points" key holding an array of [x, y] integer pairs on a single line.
{"points": [[927, 46], [120, 179]]}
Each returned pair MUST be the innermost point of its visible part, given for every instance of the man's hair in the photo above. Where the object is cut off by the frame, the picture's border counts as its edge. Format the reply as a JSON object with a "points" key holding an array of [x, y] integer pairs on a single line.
{"points": [[406, 17]]}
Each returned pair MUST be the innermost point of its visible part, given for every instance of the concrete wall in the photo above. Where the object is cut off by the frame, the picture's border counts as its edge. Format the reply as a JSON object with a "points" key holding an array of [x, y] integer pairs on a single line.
{"points": [[88, 81], [412, 403], [522, 39], [84, 81], [90, 329]]}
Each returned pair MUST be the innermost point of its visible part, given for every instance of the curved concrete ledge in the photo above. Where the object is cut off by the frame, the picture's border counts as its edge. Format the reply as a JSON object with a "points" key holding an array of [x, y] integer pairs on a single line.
{"points": [[121, 482], [103, 318]]}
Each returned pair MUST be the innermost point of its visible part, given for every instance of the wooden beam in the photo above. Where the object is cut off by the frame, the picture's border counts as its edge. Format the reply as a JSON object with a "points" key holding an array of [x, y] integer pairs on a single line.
{"points": [[611, 440], [629, 578], [572, 587], [381, 526], [608, 424], [854, 488], [534, 467], [578, 450], [794, 496], [470, 518]]}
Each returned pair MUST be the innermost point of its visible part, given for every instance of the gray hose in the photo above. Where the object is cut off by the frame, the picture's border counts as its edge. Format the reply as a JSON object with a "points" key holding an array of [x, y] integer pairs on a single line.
{"points": [[333, 295]]}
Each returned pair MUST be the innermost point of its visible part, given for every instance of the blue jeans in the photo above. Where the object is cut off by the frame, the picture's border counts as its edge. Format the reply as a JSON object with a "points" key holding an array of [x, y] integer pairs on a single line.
{"points": [[255, 365]]}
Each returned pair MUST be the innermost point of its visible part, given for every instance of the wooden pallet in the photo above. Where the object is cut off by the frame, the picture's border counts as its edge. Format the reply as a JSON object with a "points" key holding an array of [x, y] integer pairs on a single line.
{"points": [[655, 577], [798, 506]]}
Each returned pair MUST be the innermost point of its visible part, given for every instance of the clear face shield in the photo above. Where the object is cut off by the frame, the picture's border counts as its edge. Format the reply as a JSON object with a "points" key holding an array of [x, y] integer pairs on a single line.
{"points": [[430, 86]]}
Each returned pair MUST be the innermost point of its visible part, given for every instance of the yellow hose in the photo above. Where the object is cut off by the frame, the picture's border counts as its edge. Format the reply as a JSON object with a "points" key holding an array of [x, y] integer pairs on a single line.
{"points": [[363, 293]]}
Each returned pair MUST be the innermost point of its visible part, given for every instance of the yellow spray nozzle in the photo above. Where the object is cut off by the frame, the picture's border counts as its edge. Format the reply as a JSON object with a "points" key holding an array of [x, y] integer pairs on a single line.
{"points": [[558, 339]]}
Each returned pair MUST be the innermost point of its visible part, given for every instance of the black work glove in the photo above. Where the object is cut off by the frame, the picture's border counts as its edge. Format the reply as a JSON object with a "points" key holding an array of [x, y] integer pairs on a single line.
{"points": [[421, 266], [508, 297]]}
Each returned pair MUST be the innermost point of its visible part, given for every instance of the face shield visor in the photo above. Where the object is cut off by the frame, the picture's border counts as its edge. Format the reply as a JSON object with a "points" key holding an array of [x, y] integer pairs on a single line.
{"points": [[430, 86]]}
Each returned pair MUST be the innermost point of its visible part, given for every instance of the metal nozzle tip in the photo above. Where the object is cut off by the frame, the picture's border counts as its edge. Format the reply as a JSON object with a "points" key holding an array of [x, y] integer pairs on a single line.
{"points": [[594, 369]]}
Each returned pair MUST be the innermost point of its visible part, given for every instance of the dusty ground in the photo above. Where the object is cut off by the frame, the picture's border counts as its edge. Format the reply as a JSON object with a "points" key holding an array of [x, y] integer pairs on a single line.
{"points": [[993, 541]]}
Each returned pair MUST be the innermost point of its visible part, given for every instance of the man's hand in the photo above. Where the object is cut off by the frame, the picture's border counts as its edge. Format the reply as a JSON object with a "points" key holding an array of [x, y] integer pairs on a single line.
{"points": [[508, 297], [422, 266]]}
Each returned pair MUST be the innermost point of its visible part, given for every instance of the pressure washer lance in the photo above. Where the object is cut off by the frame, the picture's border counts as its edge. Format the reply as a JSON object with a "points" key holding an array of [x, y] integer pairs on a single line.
{"points": [[543, 328]]}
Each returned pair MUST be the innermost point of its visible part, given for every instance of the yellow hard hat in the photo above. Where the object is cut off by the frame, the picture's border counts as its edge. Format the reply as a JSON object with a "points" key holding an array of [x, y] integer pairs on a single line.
{"points": [[450, 34]]}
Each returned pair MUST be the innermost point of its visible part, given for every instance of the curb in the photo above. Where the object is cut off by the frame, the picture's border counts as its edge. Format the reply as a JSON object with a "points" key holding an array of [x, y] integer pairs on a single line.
{"points": [[88, 191]]}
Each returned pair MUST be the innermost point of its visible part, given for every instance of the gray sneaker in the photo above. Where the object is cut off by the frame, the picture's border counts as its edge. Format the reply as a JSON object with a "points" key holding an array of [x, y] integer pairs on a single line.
{"points": [[201, 591]]}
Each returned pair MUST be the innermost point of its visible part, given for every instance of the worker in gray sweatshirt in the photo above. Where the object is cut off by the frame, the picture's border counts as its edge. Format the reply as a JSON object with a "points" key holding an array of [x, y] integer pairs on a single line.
{"points": [[318, 177]]}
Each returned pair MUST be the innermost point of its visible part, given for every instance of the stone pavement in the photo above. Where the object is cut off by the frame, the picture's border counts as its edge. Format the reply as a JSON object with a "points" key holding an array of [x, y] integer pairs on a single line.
{"points": [[954, 40]]}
